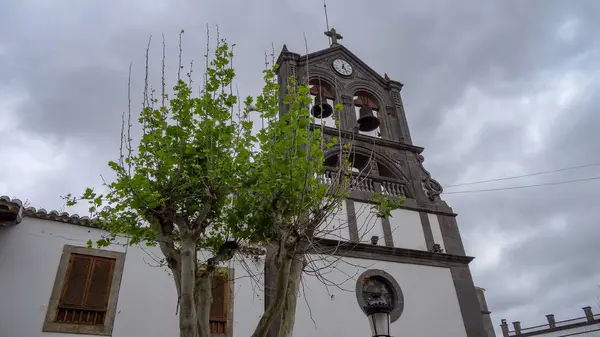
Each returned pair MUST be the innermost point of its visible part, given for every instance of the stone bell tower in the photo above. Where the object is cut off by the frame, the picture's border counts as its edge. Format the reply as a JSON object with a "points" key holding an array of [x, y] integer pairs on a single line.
{"points": [[373, 114], [424, 231]]}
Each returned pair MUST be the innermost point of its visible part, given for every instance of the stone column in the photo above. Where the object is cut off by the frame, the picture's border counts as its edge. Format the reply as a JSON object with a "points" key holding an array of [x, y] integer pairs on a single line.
{"points": [[588, 313], [400, 118], [392, 128], [287, 68], [348, 116], [485, 313], [504, 327], [517, 326]]}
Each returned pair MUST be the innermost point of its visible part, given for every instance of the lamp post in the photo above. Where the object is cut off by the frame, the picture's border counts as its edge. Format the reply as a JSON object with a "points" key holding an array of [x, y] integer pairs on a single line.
{"points": [[378, 311]]}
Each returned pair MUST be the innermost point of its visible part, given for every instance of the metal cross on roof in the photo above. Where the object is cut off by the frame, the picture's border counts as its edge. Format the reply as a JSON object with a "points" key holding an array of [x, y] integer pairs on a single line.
{"points": [[335, 36]]}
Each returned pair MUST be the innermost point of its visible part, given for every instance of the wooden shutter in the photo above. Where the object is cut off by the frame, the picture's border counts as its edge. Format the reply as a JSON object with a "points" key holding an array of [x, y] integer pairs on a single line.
{"points": [[76, 278], [99, 284], [84, 297], [219, 306]]}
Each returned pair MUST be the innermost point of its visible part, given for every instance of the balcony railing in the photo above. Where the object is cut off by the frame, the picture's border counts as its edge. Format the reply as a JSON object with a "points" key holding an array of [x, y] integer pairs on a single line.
{"points": [[557, 324], [371, 184]]}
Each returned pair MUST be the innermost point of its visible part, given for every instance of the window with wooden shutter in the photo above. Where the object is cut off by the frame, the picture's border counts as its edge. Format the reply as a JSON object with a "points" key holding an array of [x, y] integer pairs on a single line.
{"points": [[85, 292], [219, 307]]}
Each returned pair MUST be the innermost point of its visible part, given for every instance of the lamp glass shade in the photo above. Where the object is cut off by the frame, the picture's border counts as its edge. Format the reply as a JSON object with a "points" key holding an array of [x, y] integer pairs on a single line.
{"points": [[380, 324]]}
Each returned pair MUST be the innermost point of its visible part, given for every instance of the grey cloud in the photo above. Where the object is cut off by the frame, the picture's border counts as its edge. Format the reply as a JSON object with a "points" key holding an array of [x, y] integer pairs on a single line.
{"points": [[74, 66]]}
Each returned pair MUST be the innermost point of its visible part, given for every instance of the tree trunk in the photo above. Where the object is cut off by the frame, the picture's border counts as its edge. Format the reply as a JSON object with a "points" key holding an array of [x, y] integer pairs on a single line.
{"points": [[288, 315], [203, 297], [173, 262], [188, 322], [285, 259]]}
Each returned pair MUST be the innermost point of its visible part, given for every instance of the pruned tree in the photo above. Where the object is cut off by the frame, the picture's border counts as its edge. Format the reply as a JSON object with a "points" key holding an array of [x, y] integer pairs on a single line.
{"points": [[194, 183]]}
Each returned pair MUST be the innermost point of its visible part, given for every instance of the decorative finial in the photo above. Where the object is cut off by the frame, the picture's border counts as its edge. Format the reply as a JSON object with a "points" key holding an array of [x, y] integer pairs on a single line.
{"points": [[284, 49], [334, 36], [386, 77]]}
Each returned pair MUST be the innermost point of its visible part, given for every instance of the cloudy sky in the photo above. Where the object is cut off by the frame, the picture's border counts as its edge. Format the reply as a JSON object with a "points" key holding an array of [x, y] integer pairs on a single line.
{"points": [[492, 89]]}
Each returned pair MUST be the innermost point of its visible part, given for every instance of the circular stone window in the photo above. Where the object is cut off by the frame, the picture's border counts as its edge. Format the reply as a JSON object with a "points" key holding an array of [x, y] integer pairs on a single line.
{"points": [[378, 281]]}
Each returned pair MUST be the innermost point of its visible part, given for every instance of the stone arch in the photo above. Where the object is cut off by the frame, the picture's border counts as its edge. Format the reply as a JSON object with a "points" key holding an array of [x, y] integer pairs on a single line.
{"points": [[364, 94], [316, 74], [361, 85], [331, 95], [398, 171]]}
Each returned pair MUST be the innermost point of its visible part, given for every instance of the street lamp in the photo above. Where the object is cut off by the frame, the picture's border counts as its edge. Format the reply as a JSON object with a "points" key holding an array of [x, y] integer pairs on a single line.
{"points": [[378, 311]]}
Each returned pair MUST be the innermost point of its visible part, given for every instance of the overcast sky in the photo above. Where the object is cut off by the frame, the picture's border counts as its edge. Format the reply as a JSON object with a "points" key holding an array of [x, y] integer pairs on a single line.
{"points": [[492, 89]]}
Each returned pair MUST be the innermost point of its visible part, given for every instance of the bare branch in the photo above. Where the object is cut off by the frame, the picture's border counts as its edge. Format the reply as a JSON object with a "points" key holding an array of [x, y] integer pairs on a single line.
{"points": [[179, 66], [163, 80]]}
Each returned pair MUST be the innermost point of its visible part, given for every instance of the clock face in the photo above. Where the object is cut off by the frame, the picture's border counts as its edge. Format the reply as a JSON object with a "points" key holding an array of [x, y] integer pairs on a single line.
{"points": [[342, 67]]}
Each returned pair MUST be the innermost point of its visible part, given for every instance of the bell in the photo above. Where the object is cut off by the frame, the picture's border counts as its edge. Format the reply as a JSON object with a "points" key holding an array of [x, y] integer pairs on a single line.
{"points": [[321, 109], [367, 120]]}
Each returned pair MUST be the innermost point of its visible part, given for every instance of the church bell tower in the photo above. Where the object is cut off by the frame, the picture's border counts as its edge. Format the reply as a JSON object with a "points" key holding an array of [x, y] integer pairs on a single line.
{"points": [[424, 231]]}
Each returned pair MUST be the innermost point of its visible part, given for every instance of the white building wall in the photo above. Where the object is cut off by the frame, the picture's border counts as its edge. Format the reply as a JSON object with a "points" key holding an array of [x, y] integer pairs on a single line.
{"points": [[436, 230], [407, 230], [29, 258], [431, 306], [335, 227], [368, 224]]}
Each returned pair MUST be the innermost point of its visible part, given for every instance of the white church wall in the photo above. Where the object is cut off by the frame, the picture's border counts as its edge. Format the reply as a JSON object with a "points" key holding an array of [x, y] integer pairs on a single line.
{"points": [[368, 224], [407, 230], [335, 227], [436, 230], [29, 257], [430, 302]]}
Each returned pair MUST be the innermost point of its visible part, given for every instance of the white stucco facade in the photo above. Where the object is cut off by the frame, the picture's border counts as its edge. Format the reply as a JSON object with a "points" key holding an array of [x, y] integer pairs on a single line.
{"points": [[30, 252], [407, 230], [29, 258], [335, 227], [435, 230], [406, 227], [333, 310], [368, 225]]}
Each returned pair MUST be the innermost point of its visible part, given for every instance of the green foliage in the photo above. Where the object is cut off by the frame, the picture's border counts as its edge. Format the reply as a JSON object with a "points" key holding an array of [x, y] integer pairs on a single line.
{"points": [[194, 168], [383, 205]]}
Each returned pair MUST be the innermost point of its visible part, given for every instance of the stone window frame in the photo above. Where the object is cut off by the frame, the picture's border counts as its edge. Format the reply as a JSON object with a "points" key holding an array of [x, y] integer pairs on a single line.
{"points": [[391, 282], [105, 329]]}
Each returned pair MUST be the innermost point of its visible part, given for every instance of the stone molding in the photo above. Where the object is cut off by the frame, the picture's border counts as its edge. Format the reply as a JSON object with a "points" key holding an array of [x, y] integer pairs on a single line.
{"points": [[105, 329], [385, 253]]}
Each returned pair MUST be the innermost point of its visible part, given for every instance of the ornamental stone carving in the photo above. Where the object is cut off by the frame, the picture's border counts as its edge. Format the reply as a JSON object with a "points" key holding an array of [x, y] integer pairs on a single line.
{"points": [[396, 97], [392, 155], [380, 282], [431, 187]]}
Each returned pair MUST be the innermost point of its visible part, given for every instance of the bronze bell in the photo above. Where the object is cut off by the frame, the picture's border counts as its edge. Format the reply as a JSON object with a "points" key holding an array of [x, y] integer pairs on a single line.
{"points": [[321, 109], [367, 120]]}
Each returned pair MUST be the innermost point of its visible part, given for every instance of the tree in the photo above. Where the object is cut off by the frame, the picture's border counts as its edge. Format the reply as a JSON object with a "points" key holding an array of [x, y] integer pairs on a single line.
{"points": [[194, 183]]}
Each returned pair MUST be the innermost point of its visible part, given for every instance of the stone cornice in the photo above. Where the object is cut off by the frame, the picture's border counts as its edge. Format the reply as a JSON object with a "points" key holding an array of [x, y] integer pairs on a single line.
{"points": [[370, 140], [394, 254]]}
